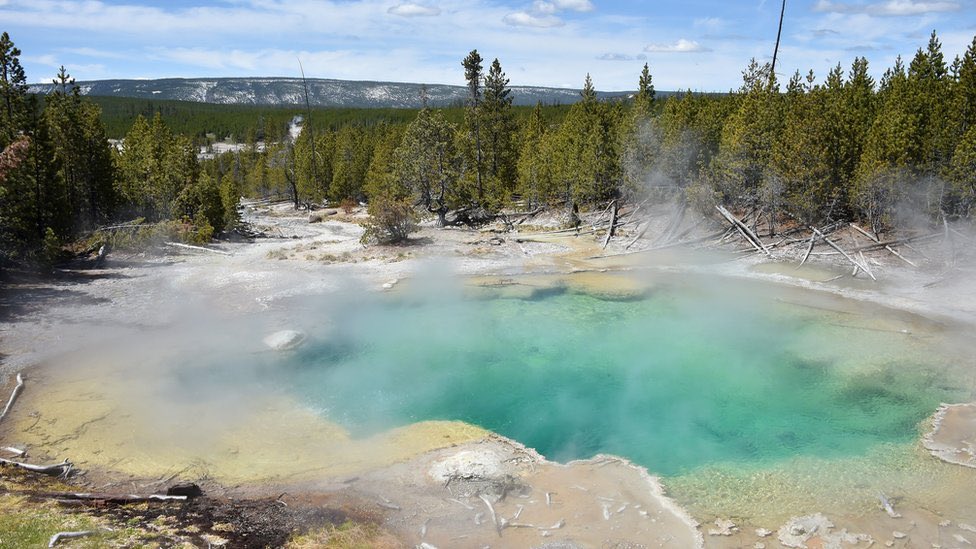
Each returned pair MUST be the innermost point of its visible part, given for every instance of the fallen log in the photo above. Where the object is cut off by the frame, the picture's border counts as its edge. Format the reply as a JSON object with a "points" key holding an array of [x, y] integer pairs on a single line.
{"points": [[640, 233], [896, 242], [116, 499], [97, 499], [661, 247], [195, 248], [62, 469], [613, 224], [888, 507], [886, 246], [56, 538], [813, 241], [843, 253], [596, 222], [15, 451], [525, 216], [494, 517], [743, 229], [676, 219], [13, 396]]}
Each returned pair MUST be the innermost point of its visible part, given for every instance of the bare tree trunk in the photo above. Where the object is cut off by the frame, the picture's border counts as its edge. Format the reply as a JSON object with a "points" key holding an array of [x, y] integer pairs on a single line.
{"points": [[779, 33]]}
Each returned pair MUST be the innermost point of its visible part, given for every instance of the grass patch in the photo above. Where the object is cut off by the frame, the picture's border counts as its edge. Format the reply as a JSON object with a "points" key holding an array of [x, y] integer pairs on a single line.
{"points": [[349, 535], [28, 524]]}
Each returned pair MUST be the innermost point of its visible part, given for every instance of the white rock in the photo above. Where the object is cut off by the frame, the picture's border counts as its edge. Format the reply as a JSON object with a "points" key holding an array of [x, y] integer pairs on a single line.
{"points": [[725, 527], [798, 530], [899, 535], [484, 464], [284, 340], [763, 533], [967, 527], [759, 545]]}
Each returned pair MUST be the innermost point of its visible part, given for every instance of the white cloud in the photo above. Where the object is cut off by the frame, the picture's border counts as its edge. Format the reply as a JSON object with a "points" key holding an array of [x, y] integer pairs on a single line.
{"points": [[410, 9], [526, 19], [709, 23], [539, 42], [574, 5], [889, 8], [47, 60], [544, 7], [92, 52], [615, 57], [544, 13], [681, 46]]}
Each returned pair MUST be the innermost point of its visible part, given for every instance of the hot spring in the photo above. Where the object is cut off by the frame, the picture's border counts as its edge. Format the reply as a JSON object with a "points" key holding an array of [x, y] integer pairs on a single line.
{"points": [[744, 397]]}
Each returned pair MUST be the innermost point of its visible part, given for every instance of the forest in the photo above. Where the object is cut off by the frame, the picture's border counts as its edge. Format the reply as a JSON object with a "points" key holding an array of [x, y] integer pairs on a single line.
{"points": [[812, 149]]}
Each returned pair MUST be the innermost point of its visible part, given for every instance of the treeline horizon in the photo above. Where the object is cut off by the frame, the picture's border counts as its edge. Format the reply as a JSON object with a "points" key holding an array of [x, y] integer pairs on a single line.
{"points": [[811, 149]]}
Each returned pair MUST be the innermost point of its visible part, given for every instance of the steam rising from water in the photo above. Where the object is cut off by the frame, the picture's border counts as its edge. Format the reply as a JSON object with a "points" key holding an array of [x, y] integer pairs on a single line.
{"points": [[693, 375], [700, 374]]}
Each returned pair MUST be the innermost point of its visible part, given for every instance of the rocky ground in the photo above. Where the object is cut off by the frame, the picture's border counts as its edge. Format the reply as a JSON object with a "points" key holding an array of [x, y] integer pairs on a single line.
{"points": [[480, 490]]}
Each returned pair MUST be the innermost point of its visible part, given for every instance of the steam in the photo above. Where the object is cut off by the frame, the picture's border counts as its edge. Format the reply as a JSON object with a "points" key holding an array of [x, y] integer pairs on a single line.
{"points": [[705, 370]]}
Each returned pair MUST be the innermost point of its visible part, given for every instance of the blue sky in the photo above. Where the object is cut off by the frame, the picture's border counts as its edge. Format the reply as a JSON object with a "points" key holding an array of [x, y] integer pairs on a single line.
{"points": [[691, 44]]}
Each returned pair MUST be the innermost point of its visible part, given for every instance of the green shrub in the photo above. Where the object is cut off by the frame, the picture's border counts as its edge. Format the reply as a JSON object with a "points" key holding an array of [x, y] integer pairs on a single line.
{"points": [[390, 221]]}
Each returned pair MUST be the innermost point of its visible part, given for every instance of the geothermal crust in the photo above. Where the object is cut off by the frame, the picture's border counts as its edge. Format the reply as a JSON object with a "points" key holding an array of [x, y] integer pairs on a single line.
{"points": [[472, 489]]}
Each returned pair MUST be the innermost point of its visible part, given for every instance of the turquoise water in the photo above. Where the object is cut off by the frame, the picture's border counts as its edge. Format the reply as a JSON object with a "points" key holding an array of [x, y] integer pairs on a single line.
{"points": [[685, 378]]}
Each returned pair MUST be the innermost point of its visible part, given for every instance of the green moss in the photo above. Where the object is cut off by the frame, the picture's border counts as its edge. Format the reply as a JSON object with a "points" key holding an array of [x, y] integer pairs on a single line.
{"points": [[24, 524]]}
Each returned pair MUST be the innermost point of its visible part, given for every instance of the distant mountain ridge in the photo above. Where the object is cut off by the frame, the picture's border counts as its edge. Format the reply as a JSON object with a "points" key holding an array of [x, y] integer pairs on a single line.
{"points": [[322, 92]]}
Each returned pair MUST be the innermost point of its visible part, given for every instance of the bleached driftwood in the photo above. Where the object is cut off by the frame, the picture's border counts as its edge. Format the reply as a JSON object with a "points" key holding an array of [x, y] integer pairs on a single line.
{"points": [[56, 538], [13, 396], [896, 242], [15, 451], [886, 246], [613, 224], [806, 256], [196, 248], [494, 517], [887, 506], [596, 222], [743, 229], [677, 217], [60, 469], [118, 499], [842, 252], [677, 244], [640, 233]]}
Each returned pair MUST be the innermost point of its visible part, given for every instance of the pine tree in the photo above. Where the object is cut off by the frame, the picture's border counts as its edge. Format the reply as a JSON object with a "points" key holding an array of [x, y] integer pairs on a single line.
{"points": [[747, 140], [13, 92], [18, 149], [586, 158], [964, 92], [890, 151], [534, 164], [641, 139], [472, 120], [499, 135], [962, 174], [380, 179], [81, 154], [155, 168], [427, 164], [928, 99], [346, 179], [588, 93], [644, 100]]}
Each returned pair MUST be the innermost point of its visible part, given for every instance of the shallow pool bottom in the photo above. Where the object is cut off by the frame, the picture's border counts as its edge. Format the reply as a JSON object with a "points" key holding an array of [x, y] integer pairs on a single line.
{"points": [[750, 399], [692, 376]]}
